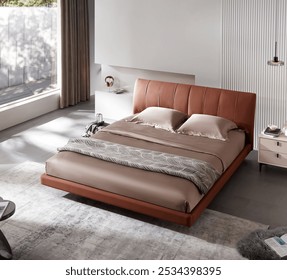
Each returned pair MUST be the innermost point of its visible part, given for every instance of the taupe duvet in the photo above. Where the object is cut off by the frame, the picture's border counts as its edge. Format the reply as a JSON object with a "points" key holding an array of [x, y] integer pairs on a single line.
{"points": [[153, 187]]}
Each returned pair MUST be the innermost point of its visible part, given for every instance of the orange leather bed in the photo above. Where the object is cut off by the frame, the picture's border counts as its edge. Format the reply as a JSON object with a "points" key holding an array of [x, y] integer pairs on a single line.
{"points": [[238, 107]]}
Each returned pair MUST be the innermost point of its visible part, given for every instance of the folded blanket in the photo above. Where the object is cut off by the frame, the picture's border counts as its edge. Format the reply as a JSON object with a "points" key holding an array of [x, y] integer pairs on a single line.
{"points": [[201, 173]]}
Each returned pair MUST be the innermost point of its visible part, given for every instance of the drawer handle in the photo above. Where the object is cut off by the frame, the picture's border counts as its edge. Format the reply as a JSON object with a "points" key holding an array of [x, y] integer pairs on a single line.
{"points": [[277, 155], [278, 143]]}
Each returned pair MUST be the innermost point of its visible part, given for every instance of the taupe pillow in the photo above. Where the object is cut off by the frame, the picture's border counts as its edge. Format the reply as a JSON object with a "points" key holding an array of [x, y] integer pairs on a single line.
{"points": [[164, 118], [207, 126]]}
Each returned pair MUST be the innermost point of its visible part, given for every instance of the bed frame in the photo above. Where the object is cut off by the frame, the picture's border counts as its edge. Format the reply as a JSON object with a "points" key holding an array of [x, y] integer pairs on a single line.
{"points": [[233, 105]]}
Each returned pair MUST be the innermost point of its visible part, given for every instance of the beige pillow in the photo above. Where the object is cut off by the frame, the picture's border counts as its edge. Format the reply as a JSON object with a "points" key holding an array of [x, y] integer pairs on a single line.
{"points": [[164, 118], [207, 126]]}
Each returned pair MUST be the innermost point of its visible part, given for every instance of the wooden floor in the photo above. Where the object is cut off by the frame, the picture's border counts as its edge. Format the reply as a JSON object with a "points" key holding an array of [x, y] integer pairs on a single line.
{"points": [[261, 197]]}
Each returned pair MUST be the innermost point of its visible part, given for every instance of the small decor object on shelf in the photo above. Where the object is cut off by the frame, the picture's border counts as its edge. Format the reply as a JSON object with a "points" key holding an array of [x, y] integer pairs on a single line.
{"points": [[119, 90], [272, 130], [109, 80]]}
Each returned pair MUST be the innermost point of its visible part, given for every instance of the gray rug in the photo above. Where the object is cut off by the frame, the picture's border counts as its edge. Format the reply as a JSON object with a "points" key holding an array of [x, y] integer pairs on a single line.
{"points": [[51, 224]]}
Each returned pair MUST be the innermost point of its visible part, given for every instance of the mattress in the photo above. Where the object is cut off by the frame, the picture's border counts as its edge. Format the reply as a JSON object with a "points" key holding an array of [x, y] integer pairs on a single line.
{"points": [[160, 189]]}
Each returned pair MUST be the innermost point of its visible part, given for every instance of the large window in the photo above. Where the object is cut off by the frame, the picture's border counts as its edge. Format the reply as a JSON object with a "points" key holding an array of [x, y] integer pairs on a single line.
{"points": [[28, 49]]}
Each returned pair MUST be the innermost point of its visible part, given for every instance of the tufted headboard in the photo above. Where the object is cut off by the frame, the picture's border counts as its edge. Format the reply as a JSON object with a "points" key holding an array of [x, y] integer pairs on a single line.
{"points": [[190, 99]]}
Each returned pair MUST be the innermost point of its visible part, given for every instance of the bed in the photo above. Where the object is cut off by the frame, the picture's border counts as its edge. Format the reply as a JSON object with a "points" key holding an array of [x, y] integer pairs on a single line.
{"points": [[164, 195]]}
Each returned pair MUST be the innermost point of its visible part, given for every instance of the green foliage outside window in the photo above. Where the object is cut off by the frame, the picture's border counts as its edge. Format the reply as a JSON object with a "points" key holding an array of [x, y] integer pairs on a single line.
{"points": [[27, 3]]}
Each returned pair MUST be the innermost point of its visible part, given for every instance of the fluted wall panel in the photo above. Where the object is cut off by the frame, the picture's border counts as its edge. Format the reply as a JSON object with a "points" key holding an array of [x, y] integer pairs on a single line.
{"points": [[248, 40]]}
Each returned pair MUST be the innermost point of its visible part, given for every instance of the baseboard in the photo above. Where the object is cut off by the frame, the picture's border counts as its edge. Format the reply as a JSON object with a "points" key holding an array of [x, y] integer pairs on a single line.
{"points": [[28, 109]]}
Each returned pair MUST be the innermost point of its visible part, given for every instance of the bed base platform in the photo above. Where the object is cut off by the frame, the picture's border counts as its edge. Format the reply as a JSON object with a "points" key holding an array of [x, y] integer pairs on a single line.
{"points": [[186, 219]]}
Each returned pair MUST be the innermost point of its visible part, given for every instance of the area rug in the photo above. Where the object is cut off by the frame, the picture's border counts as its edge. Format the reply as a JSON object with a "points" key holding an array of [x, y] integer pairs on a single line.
{"points": [[52, 224]]}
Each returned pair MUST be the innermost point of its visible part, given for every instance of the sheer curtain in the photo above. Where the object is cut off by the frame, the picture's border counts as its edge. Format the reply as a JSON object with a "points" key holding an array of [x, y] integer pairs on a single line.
{"points": [[75, 58]]}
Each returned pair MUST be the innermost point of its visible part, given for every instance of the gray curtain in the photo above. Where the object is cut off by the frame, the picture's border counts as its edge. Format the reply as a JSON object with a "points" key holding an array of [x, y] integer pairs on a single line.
{"points": [[75, 52]]}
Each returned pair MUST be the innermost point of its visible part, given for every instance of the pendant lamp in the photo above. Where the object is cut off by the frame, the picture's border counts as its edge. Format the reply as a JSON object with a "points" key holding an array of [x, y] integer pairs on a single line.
{"points": [[275, 61]]}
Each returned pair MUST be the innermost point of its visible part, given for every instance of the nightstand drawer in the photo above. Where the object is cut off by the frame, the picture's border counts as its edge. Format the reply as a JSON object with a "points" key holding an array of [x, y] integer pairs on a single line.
{"points": [[273, 145], [278, 159]]}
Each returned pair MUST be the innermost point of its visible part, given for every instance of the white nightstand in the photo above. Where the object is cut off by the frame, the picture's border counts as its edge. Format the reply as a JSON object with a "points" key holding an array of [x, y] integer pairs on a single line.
{"points": [[113, 106], [272, 151]]}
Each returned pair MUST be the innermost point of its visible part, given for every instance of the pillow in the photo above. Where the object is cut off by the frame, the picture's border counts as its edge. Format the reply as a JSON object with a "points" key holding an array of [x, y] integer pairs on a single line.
{"points": [[207, 126], [165, 118]]}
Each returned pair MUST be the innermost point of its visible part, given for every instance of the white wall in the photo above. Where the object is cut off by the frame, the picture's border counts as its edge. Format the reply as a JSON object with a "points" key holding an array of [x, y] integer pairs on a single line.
{"points": [[162, 35], [124, 76]]}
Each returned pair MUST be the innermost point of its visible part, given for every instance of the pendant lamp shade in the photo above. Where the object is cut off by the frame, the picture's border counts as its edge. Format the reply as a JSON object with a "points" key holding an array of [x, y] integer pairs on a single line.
{"points": [[275, 61]]}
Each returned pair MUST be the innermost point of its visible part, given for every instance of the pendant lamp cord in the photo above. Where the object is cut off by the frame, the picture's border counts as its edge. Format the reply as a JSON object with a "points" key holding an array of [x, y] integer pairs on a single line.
{"points": [[275, 61], [276, 27]]}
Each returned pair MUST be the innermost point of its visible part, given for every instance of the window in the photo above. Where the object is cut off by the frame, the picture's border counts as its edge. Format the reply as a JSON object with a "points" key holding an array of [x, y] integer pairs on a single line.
{"points": [[28, 49]]}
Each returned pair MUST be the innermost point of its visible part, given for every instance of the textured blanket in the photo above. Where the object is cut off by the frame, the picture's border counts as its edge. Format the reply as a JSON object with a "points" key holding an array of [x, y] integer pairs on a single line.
{"points": [[201, 173]]}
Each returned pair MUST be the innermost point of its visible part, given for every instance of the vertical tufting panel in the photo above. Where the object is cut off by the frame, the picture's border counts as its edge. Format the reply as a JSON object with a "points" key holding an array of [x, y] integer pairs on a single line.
{"points": [[139, 98], [211, 101], [196, 100], [227, 104], [181, 97], [160, 94]]}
